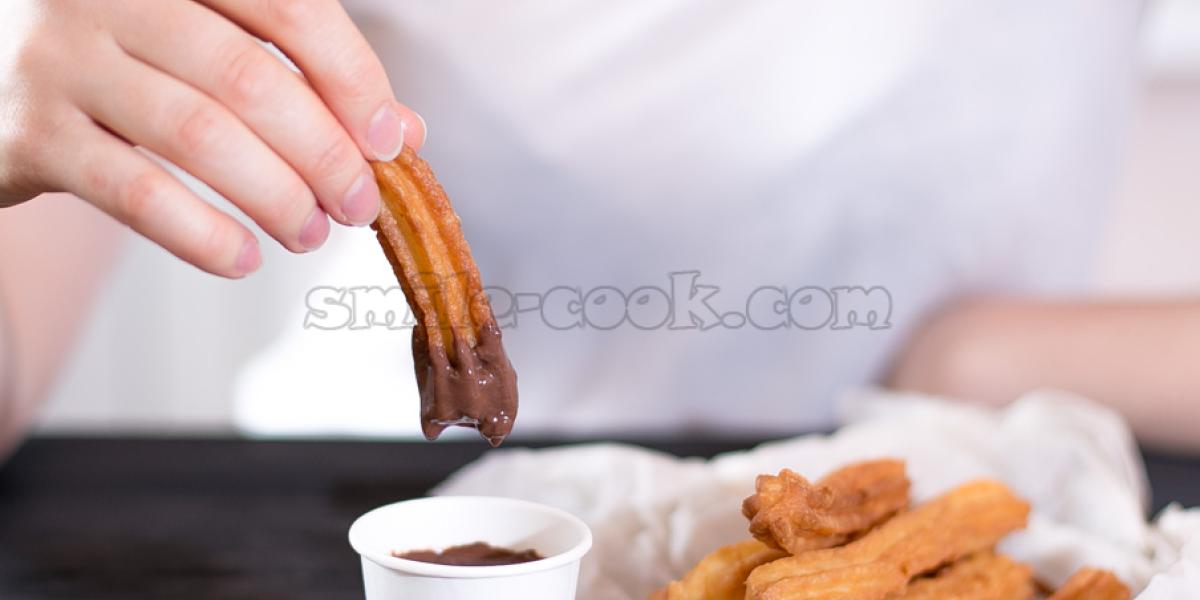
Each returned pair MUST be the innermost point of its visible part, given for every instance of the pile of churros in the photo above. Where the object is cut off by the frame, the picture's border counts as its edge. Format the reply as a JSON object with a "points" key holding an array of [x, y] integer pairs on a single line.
{"points": [[853, 535]]}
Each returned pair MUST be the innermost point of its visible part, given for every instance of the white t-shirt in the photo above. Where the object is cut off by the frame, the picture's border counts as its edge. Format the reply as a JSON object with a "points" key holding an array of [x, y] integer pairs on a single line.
{"points": [[932, 148]]}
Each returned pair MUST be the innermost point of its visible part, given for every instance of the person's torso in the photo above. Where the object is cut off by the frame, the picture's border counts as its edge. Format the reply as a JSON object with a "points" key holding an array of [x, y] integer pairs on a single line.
{"points": [[928, 148]]}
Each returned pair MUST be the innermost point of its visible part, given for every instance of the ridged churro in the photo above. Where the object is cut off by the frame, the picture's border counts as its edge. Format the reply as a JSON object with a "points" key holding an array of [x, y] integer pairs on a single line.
{"points": [[964, 521], [983, 576], [463, 373], [789, 513]]}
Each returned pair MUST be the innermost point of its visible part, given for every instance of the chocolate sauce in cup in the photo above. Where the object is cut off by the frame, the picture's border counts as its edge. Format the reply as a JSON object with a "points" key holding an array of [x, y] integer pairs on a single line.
{"points": [[470, 547], [478, 554]]}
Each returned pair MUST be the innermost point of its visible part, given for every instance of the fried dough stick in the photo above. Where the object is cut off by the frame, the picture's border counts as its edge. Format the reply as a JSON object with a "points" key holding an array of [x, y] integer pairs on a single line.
{"points": [[967, 520], [722, 574], [984, 576], [1093, 584], [801, 516], [789, 513], [463, 374]]}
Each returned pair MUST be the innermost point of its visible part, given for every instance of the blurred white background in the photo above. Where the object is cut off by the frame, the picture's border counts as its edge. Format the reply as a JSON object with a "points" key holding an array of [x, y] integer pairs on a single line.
{"points": [[127, 376]]}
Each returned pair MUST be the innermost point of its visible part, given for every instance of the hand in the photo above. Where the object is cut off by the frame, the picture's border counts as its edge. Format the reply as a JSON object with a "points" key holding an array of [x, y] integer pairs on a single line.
{"points": [[83, 82]]}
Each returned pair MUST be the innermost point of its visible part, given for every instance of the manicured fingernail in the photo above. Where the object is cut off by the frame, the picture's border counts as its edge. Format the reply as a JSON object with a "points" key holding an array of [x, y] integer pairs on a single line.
{"points": [[386, 133], [361, 205], [315, 230], [249, 258]]}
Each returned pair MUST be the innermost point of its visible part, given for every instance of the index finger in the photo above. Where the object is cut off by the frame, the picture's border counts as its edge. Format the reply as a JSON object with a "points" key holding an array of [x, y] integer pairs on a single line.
{"points": [[332, 53]]}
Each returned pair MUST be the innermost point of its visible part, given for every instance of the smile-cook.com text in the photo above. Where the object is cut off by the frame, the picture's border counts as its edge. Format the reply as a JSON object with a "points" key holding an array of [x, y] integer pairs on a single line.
{"points": [[683, 304]]}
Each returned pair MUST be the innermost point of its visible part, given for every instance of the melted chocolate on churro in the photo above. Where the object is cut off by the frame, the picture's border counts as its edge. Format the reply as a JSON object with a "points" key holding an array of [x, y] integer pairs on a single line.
{"points": [[478, 389], [479, 554]]}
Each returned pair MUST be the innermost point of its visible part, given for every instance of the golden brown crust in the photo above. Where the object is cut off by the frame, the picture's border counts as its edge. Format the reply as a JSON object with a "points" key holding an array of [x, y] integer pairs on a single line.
{"points": [[789, 513], [422, 236], [868, 581], [722, 574], [1093, 584], [462, 372], [967, 520], [984, 576]]}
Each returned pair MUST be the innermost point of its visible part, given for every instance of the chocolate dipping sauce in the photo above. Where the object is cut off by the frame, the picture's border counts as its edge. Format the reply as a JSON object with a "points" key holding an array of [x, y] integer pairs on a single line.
{"points": [[477, 389], [479, 554]]}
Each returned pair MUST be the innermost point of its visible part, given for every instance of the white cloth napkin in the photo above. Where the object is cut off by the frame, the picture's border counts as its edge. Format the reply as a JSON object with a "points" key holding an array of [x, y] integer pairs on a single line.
{"points": [[654, 516]]}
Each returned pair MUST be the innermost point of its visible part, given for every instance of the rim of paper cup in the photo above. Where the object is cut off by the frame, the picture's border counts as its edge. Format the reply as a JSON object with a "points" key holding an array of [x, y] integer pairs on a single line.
{"points": [[416, 567]]}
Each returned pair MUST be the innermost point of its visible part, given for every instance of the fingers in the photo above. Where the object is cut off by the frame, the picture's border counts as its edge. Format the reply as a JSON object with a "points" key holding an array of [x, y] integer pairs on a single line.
{"points": [[204, 138], [220, 59], [136, 191], [321, 39]]}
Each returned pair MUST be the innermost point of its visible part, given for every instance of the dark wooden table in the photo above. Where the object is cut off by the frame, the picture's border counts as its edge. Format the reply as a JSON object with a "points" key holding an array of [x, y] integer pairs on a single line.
{"points": [[99, 519]]}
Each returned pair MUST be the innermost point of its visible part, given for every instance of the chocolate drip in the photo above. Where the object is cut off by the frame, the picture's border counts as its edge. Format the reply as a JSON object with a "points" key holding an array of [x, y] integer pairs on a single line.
{"points": [[477, 389]]}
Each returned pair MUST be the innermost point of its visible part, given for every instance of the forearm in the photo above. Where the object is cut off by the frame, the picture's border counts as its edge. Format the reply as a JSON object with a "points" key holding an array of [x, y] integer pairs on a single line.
{"points": [[54, 255], [1137, 357]]}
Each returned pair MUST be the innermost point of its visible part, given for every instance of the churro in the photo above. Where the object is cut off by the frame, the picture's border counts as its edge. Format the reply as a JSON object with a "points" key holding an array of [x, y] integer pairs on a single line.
{"points": [[964, 521], [789, 513], [722, 574], [984, 576], [1092, 584], [463, 374]]}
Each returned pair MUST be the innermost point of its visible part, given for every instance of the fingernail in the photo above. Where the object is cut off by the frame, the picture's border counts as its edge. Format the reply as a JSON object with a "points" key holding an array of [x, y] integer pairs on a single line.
{"points": [[249, 258], [315, 230], [361, 205], [424, 130], [386, 133]]}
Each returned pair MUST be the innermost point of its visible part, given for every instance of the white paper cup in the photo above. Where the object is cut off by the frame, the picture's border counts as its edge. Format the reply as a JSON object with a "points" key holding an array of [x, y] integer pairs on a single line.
{"points": [[440, 522]]}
